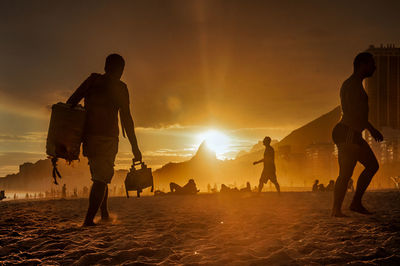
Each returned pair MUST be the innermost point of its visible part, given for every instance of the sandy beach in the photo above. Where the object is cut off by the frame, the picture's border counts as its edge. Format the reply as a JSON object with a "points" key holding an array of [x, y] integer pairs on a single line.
{"points": [[240, 229]]}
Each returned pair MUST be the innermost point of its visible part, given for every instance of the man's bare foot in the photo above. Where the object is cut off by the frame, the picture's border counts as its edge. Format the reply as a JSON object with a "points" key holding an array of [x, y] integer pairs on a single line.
{"points": [[360, 209], [105, 216], [88, 223], [338, 213]]}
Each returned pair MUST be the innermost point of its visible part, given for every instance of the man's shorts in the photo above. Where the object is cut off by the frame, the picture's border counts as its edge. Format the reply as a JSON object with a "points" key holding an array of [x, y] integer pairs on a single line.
{"points": [[101, 152], [343, 134], [268, 174]]}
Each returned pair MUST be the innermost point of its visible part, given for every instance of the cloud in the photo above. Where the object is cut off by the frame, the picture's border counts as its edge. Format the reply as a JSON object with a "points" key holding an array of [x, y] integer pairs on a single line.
{"points": [[174, 104], [31, 137], [11, 138], [214, 63], [153, 159]]}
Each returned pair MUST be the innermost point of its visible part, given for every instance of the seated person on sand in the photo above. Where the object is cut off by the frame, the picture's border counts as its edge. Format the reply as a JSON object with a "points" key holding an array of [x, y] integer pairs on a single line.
{"points": [[226, 189], [189, 188], [159, 193], [315, 186], [330, 186], [321, 188], [247, 188]]}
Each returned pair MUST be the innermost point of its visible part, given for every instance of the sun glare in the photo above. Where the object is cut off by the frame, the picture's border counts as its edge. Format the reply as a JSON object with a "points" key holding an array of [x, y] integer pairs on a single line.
{"points": [[216, 141]]}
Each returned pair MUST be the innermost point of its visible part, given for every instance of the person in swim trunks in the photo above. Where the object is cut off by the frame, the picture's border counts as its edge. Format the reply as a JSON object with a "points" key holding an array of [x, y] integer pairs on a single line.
{"points": [[104, 96], [268, 172], [347, 135]]}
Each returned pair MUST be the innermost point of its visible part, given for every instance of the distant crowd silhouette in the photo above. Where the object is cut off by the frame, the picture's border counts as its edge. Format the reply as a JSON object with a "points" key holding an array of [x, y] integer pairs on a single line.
{"points": [[317, 187], [105, 96]]}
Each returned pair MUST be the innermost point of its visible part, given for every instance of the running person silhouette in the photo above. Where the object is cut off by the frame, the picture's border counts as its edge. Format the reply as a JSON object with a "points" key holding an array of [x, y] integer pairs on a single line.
{"points": [[268, 172], [347, 135]]}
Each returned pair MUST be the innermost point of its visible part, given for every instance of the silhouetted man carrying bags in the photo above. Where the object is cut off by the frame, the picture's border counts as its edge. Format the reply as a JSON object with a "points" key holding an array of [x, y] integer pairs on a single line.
{"points": [[347, 135], [104, 95]]}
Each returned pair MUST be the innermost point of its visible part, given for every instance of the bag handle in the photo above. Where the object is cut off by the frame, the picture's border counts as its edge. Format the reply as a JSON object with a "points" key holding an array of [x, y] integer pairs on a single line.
{"points": [[136, 163]]}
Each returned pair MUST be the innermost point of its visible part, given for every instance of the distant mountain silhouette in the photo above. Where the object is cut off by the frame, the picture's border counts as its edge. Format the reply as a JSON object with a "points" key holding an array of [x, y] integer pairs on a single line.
{"points": [[203, 167], [317, 131], [204, 153]]}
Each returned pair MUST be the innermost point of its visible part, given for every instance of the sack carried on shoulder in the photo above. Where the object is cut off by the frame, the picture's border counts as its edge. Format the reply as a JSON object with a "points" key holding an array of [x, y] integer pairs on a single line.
{"points": [[65, 133]]}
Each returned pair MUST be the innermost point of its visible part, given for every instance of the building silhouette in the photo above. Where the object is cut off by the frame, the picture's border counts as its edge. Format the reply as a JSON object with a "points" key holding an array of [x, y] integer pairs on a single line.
{"points": [[321, 160], [383, 90], [384, 102], [384, 87]]}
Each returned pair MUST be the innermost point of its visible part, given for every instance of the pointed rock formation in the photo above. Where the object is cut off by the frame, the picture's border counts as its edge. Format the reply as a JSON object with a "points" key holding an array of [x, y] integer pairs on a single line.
{"points": [[204, 153]]}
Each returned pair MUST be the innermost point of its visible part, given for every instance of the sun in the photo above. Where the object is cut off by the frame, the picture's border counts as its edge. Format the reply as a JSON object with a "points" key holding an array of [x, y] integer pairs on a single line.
{"points": [[216, 141]]}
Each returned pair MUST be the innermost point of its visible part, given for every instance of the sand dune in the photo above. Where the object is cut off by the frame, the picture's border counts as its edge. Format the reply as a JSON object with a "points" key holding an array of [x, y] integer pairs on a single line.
{"points": [[291, 229]]}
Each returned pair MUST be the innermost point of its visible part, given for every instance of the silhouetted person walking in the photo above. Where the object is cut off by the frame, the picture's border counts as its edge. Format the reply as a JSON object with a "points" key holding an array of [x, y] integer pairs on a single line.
{"points": [[105, 95], [268, 172], [347, 135]]}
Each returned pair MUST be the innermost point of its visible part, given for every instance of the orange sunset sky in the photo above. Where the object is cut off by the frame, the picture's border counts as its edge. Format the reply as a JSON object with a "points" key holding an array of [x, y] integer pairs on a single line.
{"points": [[231, 72]]}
